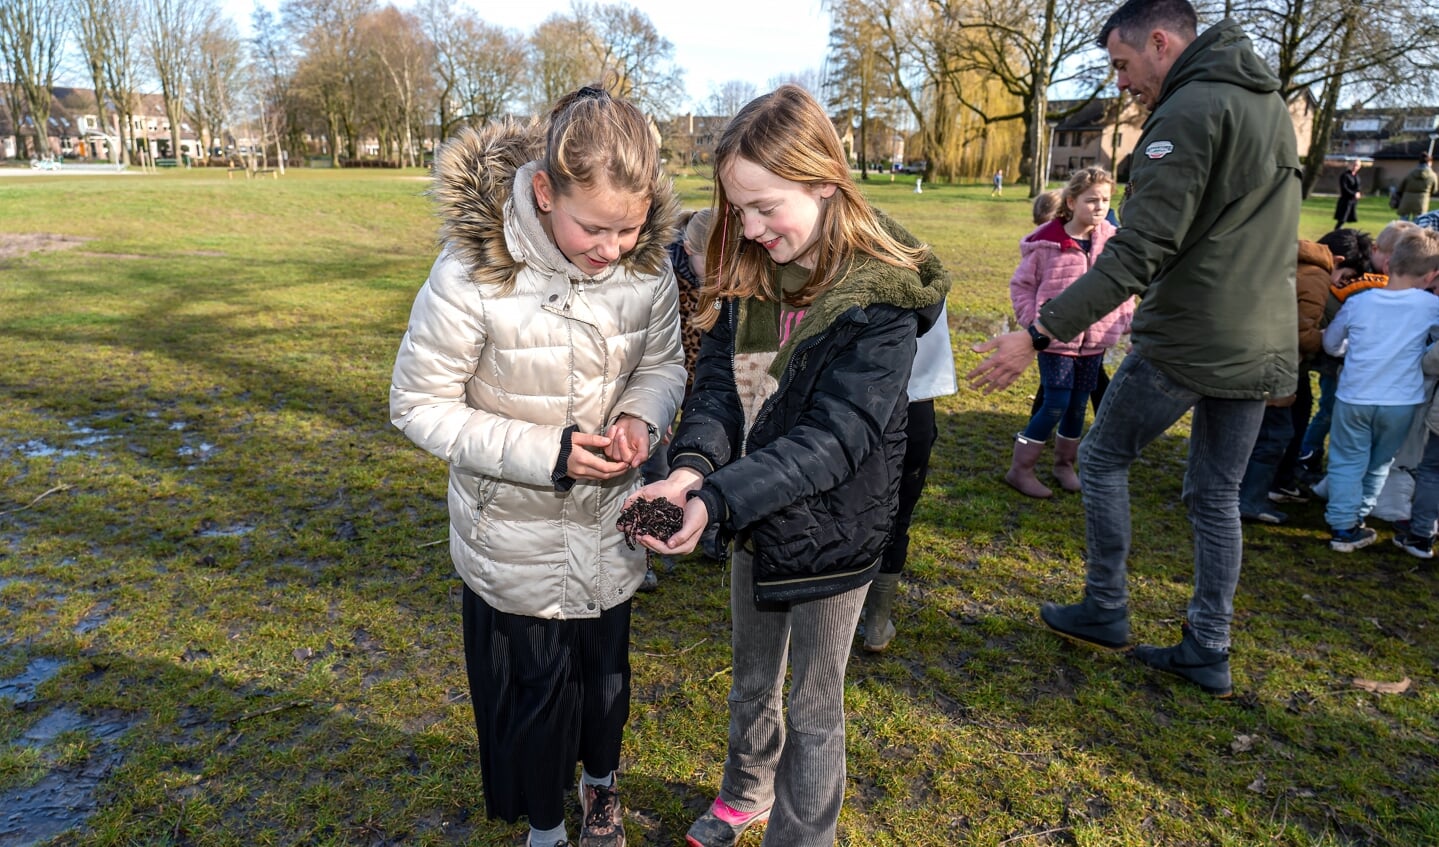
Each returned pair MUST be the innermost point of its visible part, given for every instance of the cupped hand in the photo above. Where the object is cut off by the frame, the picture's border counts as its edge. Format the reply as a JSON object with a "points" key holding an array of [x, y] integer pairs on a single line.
{"points": [[675, 489]]}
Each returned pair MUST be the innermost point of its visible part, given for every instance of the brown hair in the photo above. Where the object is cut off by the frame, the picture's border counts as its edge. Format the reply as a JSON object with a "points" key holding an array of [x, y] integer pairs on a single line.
{"points": [[1046, 206], [787, 133], [1082, 180]]}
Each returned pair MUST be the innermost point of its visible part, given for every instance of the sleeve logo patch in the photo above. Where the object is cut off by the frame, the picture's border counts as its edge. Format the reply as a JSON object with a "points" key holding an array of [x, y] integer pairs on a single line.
{"points": [[1159, 149]]}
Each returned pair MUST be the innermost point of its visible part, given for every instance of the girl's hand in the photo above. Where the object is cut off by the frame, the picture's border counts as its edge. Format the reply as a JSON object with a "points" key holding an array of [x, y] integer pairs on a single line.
{"points": [[674, 489], [629, 441], [584, 463]]}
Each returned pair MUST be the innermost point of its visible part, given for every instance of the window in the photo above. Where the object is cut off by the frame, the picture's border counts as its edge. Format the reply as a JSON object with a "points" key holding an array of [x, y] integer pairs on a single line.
{"points": [[1421, 123], [1363, 124]]}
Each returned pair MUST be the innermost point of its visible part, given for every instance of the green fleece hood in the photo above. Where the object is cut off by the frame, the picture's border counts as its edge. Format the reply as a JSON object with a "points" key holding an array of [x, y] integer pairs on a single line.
{"points": [[866, 281]]}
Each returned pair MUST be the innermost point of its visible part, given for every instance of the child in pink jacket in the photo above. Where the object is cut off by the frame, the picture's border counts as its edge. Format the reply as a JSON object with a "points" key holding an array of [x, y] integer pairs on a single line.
{"points": [[1053, 257]]}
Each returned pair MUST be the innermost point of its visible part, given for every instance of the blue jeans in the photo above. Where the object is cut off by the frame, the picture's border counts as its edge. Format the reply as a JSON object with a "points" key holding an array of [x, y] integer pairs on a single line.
{"points": [[1064, 408], [1269, 446], [1318, 428], [1362, 444], [1141, 403], [1424, 510]]}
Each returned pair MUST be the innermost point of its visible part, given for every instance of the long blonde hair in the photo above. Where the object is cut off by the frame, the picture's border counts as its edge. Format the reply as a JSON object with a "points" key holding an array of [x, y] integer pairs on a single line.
{"points": [[788, 134]]}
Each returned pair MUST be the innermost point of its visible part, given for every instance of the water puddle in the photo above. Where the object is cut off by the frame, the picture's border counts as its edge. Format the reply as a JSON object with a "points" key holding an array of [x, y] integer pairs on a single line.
{"points": [[92, 621], [65, 797], [234, 531], [21, 688]]}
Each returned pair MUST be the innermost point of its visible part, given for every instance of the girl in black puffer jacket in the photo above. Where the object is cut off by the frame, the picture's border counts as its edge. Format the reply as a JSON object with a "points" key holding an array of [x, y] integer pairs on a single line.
{"points": [[790, 446]]}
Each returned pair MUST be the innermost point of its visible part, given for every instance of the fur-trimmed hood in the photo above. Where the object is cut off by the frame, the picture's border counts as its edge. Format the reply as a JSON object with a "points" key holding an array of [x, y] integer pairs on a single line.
{"points": [[485, 199]]}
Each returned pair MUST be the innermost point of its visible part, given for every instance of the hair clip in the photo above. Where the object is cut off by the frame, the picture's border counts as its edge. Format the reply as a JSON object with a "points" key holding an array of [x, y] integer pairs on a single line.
{"points": [[592, 92]]}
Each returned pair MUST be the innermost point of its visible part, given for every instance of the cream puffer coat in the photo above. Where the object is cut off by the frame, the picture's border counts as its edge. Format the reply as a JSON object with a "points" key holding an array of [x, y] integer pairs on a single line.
{"points": [[508, 345]]}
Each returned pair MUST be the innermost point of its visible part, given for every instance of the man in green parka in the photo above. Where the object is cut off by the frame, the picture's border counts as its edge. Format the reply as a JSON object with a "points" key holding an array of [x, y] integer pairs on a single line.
{"points": [[1211, 221]]}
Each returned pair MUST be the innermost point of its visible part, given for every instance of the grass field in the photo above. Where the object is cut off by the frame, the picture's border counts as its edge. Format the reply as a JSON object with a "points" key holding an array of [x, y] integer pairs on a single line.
{"points": [[227, 616]]}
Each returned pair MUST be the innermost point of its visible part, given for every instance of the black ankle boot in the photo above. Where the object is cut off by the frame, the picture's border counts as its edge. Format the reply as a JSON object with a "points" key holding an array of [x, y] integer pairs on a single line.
{"points": [[1089, 623], [1206, 668]]}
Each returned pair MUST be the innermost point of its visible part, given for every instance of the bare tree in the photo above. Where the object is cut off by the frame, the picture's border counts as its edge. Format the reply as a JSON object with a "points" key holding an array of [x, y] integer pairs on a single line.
{"points": [[728, 98], [170, 30], [95, 50], [326, 75], [479, 68], [403, 56], [1029, 46], [122, 69], [595, 41], [628, 45], [560, 59], [273, 69], [215, 73], [32, 35], [1337, 45]]}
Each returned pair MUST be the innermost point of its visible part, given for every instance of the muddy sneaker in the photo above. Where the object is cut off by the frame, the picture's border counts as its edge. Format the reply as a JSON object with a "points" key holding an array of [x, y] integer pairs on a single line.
{"points": [[1351, 539], [722, 825], [1203, 666], [1417, 546], [602, 818], [1089, 623]]}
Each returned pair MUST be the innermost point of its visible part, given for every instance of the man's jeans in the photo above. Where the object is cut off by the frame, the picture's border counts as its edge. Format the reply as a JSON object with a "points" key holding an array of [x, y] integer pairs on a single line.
{"points": [[1141, 403], [1424, 511], [1362, 444]]}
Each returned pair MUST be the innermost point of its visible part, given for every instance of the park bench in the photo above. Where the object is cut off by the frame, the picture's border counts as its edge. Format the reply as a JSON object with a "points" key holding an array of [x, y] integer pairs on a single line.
{"points": [[166, 163]]}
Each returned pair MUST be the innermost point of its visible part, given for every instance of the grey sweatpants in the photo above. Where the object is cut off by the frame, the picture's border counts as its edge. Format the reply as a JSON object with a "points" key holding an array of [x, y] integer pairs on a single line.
{"points": [[796, 763]]}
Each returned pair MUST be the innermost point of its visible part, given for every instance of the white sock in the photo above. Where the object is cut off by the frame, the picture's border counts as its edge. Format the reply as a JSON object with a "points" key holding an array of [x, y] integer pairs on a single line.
{"points": [[548, 837], [600, 781]]}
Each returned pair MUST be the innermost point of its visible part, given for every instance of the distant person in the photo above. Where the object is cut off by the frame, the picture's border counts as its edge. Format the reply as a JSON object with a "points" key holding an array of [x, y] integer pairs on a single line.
{"points": [[1382, 336], [1211, 276], [541, 362], [789, 451], [998, 189], [1346, 209], [1416, 188], [1054, 256]]}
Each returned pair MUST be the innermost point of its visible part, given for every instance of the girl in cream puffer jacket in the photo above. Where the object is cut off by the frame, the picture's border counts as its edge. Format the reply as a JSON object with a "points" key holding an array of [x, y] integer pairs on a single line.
{"points": [[541, 363]]}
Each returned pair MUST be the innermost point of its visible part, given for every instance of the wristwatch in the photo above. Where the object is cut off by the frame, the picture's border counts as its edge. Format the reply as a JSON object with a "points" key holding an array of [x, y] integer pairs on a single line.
{"points": [[1037, 338]]}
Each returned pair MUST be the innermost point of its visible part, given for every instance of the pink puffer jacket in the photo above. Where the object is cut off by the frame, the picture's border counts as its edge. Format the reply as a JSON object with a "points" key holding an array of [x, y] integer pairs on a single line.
{"points": [[1049, 261]]}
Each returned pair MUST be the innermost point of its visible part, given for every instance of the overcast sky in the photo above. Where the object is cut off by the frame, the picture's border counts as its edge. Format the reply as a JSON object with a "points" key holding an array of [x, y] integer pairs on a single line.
{"points": [[714, 42]]}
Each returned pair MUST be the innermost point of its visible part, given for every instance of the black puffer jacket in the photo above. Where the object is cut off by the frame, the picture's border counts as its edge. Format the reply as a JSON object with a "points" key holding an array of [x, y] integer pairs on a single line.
{"points": [[801, 446]]}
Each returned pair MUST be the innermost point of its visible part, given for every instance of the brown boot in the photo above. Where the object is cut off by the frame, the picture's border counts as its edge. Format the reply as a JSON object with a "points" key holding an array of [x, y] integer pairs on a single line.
{"points": [[1021, 469], [1066, 450]]}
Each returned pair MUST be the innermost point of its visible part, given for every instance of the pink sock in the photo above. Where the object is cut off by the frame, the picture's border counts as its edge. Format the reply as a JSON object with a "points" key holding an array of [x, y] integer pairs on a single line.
{"points": [[730, 814]]}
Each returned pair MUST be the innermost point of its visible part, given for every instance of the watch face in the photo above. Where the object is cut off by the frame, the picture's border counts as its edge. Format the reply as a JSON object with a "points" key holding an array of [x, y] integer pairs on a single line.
{"points": [[1037, 338]]}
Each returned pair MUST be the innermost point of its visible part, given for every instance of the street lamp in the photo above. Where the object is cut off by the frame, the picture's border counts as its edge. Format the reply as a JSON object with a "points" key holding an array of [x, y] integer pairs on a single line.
{"points": [[1433, 137]]}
